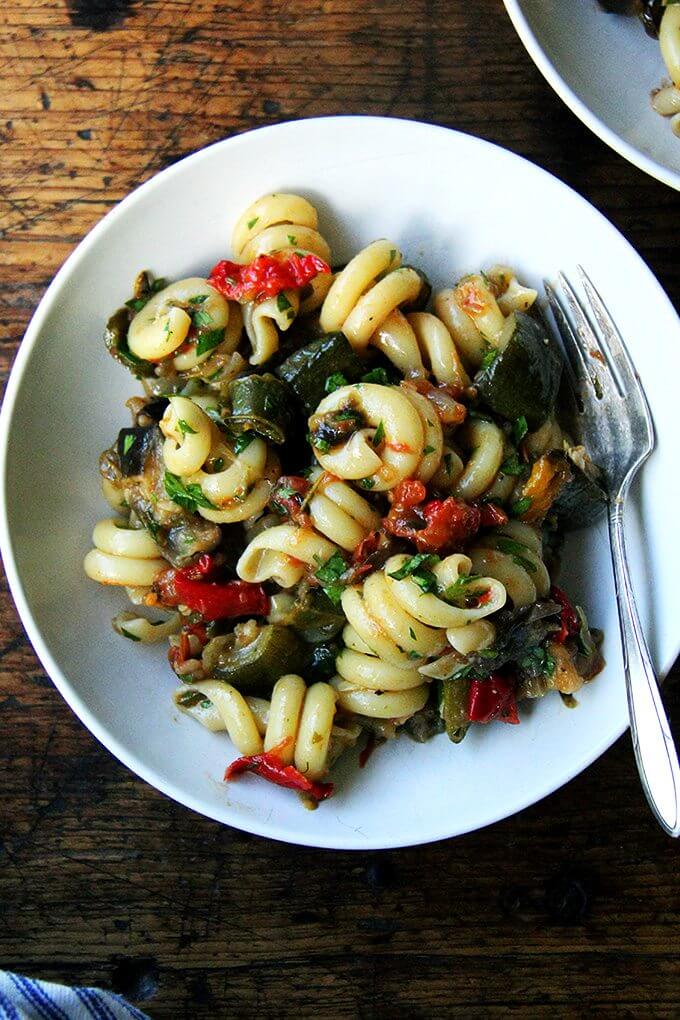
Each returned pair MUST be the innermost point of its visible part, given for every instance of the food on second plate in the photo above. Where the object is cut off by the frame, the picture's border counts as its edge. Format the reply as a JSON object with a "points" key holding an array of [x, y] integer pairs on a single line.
{"points": [[661, 19], [349, 506]]}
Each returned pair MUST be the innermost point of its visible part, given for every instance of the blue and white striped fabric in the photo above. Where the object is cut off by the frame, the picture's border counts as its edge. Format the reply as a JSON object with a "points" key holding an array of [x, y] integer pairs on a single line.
{"points": [[22, 998]]}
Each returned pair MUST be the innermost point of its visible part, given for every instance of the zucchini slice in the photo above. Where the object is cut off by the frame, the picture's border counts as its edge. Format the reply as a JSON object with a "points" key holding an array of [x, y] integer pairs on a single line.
{"points": [[582, 501], [453, 701], [307, 369], [261, 404], [524, 377], [254, 668]]}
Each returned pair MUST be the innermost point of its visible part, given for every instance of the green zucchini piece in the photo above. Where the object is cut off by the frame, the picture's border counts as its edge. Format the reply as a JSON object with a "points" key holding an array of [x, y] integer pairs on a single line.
{"points": [[524, 378], [307, 369], [115, 338], [314, 617], [262, 404], [255, 668], [453, 701], [582, 500]]}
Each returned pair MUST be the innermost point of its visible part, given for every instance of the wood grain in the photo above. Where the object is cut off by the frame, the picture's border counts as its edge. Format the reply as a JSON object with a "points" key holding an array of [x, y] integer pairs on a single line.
{"points": [[569, 909]]}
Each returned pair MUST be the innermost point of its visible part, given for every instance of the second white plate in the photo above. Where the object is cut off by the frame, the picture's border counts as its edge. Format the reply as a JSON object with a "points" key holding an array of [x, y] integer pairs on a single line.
{"points": [[604, 67]]}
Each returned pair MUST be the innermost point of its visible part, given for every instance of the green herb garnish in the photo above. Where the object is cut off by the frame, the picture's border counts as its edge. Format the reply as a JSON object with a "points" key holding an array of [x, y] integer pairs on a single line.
{"points": [[489, 357], [428, 449], [128, 443], [198, 299], [379, 435], [376, 375], [366, 483], [243, 441], [520, 506], [519, 429], [418, 568], [185, 428], [208, 340], [189, 497], [512, 465], [329, 575], [335, 382], [251, 223], [282, 302], [201, 319], [517, 551]]}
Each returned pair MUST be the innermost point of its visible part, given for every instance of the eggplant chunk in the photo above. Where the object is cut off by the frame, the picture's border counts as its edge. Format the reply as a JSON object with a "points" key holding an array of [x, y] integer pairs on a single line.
{"points": [[135, 462]]}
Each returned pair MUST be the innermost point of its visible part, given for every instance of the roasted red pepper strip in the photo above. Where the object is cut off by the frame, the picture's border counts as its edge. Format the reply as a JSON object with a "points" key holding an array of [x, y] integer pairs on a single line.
{"points": [[212, 599], [269, 766], [288, 497], [493, 698], [266, 276], [568, 617], [492, 516], [439, 524]]}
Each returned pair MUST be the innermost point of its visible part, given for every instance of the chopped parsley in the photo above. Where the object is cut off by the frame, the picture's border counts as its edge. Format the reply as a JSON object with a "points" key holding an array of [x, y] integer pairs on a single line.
{"points": [[329, 575], [320, 444], [537, 661], [489, 357], [519, 429], [412, 633], [376, 375], [517, 551], [189, 497], [251, 223], [128, 443], [413, 654], [428, 449], [418, 568], [335, 382], [292, 240], [379, 435], [366, 483], [243, 441], [208, 340], [458, 593], [198, 299], [282, 302], [512, 465], [520, 506], [201, 319], [185, 428]]}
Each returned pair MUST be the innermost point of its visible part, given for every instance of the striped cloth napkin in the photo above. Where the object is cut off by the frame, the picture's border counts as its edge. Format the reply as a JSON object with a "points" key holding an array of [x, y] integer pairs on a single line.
{"points": [[23, 998]]}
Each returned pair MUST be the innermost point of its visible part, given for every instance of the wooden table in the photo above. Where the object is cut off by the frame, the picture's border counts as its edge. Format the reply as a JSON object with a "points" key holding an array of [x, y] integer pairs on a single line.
{"points": [[568, 909]]}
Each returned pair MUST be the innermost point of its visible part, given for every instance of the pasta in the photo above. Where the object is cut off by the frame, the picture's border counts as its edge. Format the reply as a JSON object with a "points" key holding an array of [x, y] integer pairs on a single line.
{"points": [[661, 18], [353, 535], [279, 224]]}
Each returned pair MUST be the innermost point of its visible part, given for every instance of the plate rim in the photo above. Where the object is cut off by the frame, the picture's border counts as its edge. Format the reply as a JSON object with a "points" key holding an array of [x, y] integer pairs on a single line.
{"points": [[68, 689], [659, 171]]}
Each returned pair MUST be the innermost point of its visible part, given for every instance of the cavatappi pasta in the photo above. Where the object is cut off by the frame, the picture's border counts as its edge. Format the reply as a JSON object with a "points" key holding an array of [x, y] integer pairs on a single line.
{"points": [[661, 19], [339, 506]]}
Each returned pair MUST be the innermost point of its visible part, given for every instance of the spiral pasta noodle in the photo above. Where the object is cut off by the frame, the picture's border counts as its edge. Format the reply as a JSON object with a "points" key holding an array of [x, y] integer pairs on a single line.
{"points": [[410, 443], [122, 555], [240, 486], [161, 327], [394, 627], [371, 286], [512, 554], [298, 721], [279, 223], [339, 512], [475, 311]]}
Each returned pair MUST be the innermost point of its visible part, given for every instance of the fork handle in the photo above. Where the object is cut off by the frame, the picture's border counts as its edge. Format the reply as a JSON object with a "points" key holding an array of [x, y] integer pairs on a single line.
{"points": [[655, 753]]}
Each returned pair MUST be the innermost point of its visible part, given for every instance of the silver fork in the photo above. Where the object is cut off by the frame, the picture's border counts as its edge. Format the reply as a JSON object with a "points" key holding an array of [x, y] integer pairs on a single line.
{"points": [[617, 430]]}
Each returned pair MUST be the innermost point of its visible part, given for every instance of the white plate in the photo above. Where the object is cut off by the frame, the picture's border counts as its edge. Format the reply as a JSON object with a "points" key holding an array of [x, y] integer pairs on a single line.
{"points": [[452, 203], [604, 66]]}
